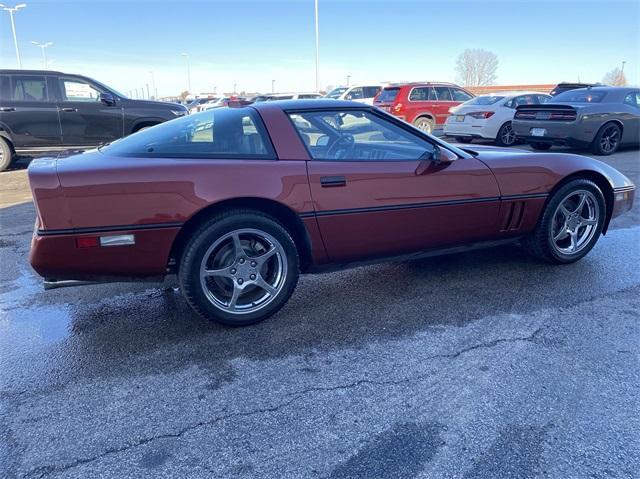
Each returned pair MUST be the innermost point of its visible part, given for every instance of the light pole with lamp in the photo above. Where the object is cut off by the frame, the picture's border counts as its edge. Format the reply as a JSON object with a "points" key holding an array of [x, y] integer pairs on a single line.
{"points": [[11, 11], [43, 46], [317, 48]]}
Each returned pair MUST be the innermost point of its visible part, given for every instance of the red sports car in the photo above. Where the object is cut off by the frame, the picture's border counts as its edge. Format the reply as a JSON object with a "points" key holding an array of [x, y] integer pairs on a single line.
{"points": [[239, 201]]}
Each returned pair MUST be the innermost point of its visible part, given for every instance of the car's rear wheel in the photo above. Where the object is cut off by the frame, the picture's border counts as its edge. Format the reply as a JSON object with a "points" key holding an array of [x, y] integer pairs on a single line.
{"points": [[6, 154], [607, 139], [506, 135], [239, 268], [464, 139], [570, 225], [536, 145], [424, 123]]}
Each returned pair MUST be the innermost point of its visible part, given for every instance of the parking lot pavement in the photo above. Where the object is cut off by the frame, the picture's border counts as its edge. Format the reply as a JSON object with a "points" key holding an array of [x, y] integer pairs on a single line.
{"points": [[480, 365]]}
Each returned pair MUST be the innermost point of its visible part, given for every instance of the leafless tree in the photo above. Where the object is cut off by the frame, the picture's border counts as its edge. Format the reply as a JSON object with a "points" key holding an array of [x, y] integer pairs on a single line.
{"points": [[477, 67], [615, 78], [184, 95]]}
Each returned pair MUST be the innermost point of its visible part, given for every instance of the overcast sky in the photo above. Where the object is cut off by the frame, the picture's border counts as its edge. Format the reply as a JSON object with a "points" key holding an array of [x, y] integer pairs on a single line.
{"points": [[252, 42]]}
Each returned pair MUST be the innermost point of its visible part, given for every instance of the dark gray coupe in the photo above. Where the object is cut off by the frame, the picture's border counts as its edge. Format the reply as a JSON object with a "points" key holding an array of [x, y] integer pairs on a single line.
{"points": [[600, 118]]}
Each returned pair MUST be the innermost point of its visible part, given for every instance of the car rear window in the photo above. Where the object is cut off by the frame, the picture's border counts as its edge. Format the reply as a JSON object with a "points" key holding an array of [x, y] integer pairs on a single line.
{"points": [[485, 100], [222, 133], [580, 96], [28, 88], [388, 94]]}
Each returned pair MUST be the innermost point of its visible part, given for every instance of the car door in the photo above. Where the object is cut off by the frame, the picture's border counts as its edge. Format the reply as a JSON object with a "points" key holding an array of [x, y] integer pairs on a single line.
{"points": [[445, 101], [84, 118], [28, 111], [631, 132], [376, 193]]}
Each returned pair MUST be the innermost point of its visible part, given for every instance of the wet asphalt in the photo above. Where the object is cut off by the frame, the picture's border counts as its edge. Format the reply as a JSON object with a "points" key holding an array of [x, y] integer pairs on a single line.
{"points": [[479, 365]]}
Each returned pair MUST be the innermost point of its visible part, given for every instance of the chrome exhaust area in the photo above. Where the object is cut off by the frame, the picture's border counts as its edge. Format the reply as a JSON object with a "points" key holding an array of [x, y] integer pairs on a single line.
{"points": [[55, 284]]}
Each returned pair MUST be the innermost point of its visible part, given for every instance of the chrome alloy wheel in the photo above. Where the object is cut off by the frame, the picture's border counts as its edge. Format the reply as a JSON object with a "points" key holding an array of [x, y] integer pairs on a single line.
{"points": [[575, 221], [424, 125], [243, 271], [609, 139], [507, 135]]}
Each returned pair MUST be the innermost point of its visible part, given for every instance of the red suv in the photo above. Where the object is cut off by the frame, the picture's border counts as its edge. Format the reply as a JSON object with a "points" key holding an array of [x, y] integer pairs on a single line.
{"points": [[425, 104]]}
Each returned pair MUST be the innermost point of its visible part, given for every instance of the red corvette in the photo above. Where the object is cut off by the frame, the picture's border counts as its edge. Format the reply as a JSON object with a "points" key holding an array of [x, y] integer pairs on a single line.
{"points": [[238, 201]]}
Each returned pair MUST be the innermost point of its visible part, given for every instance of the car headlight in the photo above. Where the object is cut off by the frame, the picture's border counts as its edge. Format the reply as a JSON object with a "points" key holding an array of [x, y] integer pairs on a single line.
{"points": [[179, 112]]}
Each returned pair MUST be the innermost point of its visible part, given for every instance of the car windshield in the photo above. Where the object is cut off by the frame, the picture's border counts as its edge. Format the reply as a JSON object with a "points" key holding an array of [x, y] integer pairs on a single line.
{"points": [[388, 94], [484, 100], [336, 92], [584, 95]]}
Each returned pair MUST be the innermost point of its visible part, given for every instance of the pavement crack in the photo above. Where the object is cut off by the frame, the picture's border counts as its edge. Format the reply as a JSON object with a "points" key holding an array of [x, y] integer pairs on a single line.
{"points": [[44, 471]]}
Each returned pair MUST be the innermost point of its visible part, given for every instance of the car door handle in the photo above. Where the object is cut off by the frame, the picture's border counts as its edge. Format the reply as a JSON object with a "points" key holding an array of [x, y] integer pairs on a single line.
{"points": [[7, 108], [69, 109], [332, 181]]}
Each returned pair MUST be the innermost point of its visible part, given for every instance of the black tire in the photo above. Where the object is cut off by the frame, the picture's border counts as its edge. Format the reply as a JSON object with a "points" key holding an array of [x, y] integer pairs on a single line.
{"points": [[424, 123], [200, 243], [607, 140], [541, 244], [506, 135], [464, 139], [540, 146], [6, 154]]}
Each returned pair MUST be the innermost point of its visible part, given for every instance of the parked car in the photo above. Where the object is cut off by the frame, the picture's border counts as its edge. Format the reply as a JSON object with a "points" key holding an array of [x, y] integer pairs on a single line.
{"points": [[425, 105], [600, 118], [489, 116], [285, 96], [239, 201], [226, 101], [564, 86], [194, 106], [360, 93], [47, 110]]}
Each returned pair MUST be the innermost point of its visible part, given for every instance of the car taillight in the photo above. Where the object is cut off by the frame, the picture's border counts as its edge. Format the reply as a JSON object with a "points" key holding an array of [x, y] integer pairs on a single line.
{"points": [[481, 114], [398, 107]]}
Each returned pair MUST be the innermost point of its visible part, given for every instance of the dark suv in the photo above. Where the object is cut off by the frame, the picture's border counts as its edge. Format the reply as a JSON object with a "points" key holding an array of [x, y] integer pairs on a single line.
{"points": [[45, 110]]}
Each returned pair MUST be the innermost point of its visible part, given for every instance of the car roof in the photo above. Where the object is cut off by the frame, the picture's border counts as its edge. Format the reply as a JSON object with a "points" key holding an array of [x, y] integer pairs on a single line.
{"points": [[35, 72], [421, 83], [512, 93], [309, 104], [607, 89]]}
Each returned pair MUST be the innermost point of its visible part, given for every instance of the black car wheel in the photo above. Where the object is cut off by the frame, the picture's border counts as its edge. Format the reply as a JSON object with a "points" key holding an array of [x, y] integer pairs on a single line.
{"points": [[506, 135], [570, 225], [464, 139], [540, 146], [6, 154], [239, 268], [607, 140]]}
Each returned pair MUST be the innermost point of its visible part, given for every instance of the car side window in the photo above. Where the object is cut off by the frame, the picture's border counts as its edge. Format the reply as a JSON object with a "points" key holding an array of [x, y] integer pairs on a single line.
{"points": [[224, 133], [355, 94], [510, 103], [357, 135], [443, 93], [76, 90], [422, 93], [632, 99], [459, 95], [371, 91], [29, 88]]}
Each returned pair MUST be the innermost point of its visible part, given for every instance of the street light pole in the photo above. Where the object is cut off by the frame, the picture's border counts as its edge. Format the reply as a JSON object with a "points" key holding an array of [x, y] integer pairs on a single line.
{"points": [[153, 83], [44, 54], [186, 55], [348, 80], [273, 86], [317, 49], [11, 11]]}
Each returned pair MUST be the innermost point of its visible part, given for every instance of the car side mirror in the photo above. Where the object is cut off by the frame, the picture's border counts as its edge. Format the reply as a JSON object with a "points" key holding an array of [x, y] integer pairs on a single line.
{"points": [[107, 99], [442, 156]]}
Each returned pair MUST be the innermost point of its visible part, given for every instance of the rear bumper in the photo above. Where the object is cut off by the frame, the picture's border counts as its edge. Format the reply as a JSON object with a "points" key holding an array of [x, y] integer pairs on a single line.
{"points": [[57, 256], [469, 130], [556, 133]]}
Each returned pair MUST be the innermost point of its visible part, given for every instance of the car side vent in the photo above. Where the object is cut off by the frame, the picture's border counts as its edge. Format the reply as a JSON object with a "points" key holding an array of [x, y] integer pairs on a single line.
{"points": [[512, 216]]}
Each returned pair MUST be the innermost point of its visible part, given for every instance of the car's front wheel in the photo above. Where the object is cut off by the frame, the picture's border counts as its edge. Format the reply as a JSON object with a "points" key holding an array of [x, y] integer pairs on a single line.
{"points": [[6, 154], [239, 268], [570, 225]]}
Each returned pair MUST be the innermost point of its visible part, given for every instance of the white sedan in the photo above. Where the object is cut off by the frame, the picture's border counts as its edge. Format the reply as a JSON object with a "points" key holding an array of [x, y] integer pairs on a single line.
{"points": [[489, 116], [360, 93]]}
